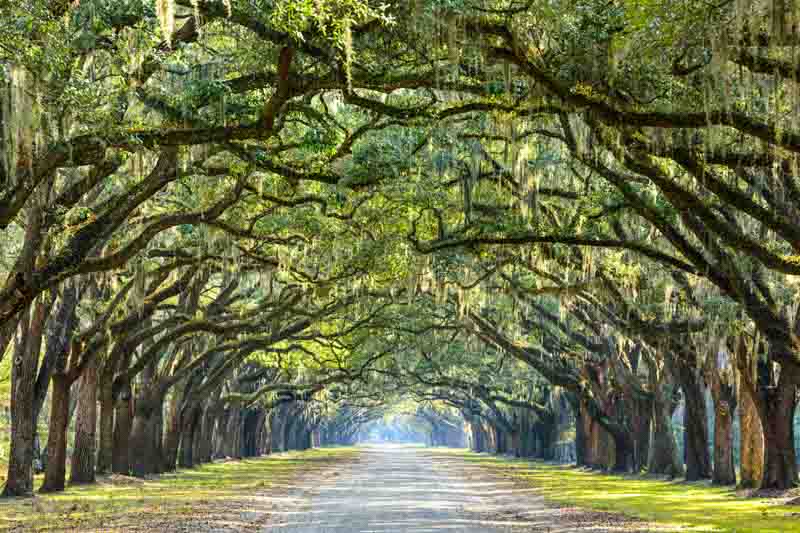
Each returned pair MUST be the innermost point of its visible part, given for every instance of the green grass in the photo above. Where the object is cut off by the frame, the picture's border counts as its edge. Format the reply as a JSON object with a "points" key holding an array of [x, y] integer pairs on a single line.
{"points": [[670, 504], [120, 504]]}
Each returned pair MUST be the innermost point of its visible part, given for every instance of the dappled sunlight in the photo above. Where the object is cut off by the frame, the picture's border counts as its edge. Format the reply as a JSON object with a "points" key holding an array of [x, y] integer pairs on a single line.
{"points": [[675, 504], [223, 492], [411, 489]]}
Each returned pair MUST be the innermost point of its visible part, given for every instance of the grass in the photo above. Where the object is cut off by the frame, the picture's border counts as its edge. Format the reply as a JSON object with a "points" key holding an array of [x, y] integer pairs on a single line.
{"points": [[124, 504], [670, 504]]}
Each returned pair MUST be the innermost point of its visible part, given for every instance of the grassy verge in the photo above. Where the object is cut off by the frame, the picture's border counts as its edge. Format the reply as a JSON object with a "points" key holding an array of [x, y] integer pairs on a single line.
{"points": [[671, 504], [197, 495]]}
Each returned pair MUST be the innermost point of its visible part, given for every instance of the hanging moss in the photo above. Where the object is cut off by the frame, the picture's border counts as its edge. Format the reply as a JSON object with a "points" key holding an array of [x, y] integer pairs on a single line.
{"points": [[165, 11]]}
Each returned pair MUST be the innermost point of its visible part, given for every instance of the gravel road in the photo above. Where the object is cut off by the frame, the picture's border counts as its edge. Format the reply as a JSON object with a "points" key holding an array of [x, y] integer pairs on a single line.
{"points": [[407, 489]]}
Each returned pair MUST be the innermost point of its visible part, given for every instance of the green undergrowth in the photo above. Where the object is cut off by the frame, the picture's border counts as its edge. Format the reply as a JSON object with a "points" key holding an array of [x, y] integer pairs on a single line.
{"points": [[670, 504], [119, 503]]}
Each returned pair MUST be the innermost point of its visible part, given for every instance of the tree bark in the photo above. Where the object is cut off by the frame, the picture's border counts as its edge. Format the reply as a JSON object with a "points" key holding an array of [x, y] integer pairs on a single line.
{"points": [[56, 471], [698, 458], [724, 468], [664, 457], [780, 468], [142, 443], [158, 437], [623, 454], [20, 466], [641, 422], [581, 444], [188, 428], [197, 435], [751, 441], [19, 481], [172, 436], [207, 432], [105, 453], [83, 456], [123, 418]]}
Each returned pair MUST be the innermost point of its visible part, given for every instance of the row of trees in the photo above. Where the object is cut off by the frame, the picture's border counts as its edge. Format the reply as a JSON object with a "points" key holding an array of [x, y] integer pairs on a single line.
{"points": [[534, 214]]}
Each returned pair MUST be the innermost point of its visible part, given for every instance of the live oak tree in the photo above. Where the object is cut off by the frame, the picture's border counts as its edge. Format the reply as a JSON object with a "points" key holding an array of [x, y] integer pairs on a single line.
{"points": [[227, 219]]}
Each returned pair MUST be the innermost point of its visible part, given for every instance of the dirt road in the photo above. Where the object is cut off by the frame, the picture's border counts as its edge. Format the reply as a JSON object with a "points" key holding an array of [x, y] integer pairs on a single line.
{"points": [[407, 489]]}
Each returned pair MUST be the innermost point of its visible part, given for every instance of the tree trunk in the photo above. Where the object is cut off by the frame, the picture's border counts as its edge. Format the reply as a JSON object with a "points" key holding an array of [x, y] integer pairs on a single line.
{"points": [[220, 434], [83, 456], [20, 464], [123, 417], [142, 452], [23, 422], [515, 444], [698, 458], [724, 468], [780, 468], [623, 453], [56, 471], [257, 433], [158, 437], [664, 457], [197, 436], [173, 434], [105, 453], [278, 426], [267, 438], [641, 422], [207, 434], [581, 448], [23, 367], [751, 437], [188, 428]]}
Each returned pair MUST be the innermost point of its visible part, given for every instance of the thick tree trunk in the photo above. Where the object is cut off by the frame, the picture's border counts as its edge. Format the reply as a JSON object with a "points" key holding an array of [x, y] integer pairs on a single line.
{"points": [[23, 384], [698, 458], [123, 418], [623, 453], [641, 425], [581, 445], [83, 456], [780, 468], [516, 447], [259, 431], [664, 457], [23, 367], [56, 471], [721, 381], [188, 427], [172, 435], [544, 430], [286, 431], [197, 436], [278, 430], [142, 444], [751, 442], [207, 436], [105, 453], [267, 439], [500, 440], [724, 468], [220, 434], [143, 459], [158, 437], [478, 444], [20, 465], [232, 430]]}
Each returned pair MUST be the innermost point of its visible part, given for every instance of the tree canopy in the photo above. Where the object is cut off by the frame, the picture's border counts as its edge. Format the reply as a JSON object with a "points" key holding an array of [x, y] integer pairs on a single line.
{"points": [[221, 216]]}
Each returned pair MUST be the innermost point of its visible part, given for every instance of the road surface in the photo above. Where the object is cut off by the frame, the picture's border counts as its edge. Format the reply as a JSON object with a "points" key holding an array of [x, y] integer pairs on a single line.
{"points": [[408, 489]]}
